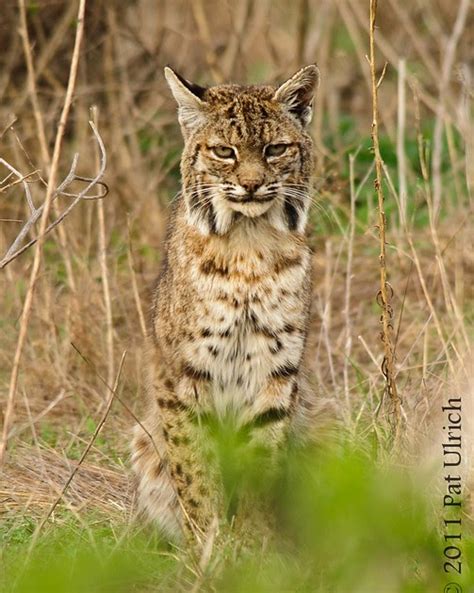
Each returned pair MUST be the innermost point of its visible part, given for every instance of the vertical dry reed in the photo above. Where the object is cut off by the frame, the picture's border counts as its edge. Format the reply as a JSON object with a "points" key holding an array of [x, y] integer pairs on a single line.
{"points": [[385, 293]]}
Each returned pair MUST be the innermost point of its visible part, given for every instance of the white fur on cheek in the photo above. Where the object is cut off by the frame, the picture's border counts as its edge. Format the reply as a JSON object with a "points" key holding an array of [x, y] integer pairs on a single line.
{"points": [[223, 214]]}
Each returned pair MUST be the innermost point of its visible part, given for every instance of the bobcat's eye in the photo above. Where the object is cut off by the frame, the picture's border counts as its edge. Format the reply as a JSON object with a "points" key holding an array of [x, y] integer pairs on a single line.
{"points": [[223, 152], [273, 150]]}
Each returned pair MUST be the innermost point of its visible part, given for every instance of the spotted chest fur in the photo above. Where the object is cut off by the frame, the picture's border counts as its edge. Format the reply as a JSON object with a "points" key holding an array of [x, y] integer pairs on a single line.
{"points": [[248, 305]]}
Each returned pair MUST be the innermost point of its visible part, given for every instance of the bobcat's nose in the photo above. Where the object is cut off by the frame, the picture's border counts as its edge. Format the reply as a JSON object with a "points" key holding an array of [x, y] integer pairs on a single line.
{"points": [[251, 185]]}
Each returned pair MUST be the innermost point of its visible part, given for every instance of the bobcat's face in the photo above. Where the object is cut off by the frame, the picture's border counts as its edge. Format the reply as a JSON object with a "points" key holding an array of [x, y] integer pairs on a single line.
{"points": [[246, 151]]}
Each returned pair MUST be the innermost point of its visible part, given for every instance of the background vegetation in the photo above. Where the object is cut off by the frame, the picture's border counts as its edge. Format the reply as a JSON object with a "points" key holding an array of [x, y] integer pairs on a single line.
{"points": [[368, 517]]}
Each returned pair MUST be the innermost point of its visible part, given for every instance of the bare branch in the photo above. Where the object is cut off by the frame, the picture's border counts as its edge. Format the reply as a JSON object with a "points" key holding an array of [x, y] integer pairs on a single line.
{"points": [[16, 248]]}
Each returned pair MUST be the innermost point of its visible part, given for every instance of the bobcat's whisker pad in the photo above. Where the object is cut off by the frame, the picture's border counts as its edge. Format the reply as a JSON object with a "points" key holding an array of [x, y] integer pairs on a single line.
{"points": [[231, 306]]}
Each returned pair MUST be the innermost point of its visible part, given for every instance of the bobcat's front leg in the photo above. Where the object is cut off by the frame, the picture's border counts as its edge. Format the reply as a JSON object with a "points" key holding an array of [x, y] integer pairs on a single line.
{"points": [[177, 483]]}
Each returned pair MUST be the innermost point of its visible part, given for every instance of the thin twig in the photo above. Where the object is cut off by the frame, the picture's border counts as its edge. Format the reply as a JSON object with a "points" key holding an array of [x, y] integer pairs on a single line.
{"points": [[53, 42], [391, 55], [191, 523], [3, 188], [15, 431], [21, 179], [97, 430], [386, 291]]}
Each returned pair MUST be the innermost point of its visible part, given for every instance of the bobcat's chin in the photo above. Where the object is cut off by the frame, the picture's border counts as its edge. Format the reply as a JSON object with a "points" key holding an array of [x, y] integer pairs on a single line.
{"points": [[251, 209]]}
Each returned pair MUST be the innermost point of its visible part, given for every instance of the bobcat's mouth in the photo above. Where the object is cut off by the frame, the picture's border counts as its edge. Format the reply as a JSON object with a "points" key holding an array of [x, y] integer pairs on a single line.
{"points": [[251, 204], [250, 199]]}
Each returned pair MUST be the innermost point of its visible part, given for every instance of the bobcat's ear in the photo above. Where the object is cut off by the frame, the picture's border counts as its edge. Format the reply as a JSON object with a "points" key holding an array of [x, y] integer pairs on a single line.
{"points": [[191, 107], [297, 93]]}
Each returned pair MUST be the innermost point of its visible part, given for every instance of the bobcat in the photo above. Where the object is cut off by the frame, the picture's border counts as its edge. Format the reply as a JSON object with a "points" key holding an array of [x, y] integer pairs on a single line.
{"points": [[231, 306]]}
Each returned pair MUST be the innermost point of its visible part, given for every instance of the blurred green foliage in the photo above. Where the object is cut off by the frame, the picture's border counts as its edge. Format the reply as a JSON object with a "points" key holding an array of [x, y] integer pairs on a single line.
{"points": [[340, 522]]}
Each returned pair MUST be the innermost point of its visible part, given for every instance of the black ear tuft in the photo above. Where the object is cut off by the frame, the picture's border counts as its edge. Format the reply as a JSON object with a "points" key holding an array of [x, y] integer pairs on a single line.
{"points": [[191, 86], [191, 107]]}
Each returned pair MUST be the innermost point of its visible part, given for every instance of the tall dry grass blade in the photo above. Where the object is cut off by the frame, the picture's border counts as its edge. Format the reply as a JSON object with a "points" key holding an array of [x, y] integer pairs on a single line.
{"points": [[390, 53], [133, 276], [31, 84], [401, 156], [446, 71], [467, 126], [347, 292], [200, 17], [234, 46], [104, 272]]}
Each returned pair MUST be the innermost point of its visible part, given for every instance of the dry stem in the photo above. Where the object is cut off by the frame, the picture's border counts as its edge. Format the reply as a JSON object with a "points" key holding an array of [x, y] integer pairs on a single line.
{"points": [[385, 292], [105, 277], [32, 84]]}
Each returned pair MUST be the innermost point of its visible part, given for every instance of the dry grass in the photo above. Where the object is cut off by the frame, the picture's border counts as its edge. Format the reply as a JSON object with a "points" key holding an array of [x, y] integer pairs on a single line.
{"points": [[33, 484], [93, 284]]}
